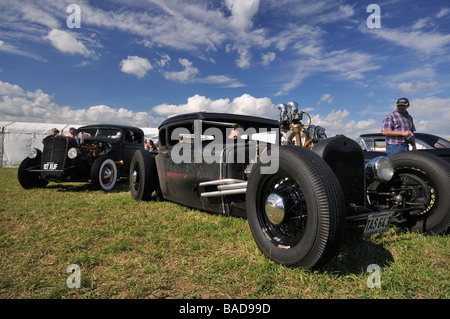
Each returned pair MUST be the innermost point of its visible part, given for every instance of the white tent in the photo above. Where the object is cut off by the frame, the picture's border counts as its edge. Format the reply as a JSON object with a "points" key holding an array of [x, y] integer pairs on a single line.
{"points": [[16, 139]]}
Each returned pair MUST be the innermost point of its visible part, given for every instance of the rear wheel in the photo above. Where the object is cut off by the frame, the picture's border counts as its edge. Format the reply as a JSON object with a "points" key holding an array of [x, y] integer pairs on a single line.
{"points": [[143, 177], [421, 181], [29, 179], [297, 215], [104, 173]]}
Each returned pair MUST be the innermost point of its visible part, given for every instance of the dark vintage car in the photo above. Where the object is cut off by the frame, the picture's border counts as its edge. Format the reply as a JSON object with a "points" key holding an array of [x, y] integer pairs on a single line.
{"points": [[374, 144], [99, 153], [299, 189]]}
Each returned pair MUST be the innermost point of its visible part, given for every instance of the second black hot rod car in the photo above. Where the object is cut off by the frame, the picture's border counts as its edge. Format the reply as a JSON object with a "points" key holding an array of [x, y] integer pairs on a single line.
{"points": [[299, 189], [99, 153]]}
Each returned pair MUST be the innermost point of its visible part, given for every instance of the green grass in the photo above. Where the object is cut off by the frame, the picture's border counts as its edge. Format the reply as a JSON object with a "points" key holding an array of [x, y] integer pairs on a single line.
{"points": [[129, 249]]}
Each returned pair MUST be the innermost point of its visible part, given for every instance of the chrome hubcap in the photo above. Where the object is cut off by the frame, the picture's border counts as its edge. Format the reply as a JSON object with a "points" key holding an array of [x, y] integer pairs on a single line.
{"points": [[275, 209], [106, 176], [134, 176]]}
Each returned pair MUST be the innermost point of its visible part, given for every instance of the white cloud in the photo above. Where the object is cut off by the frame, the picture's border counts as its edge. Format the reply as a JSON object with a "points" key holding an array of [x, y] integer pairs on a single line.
{"points": [[425, 72], [12, 49], [344, 64], [244, 57], [443, 12], [19, 105], [268, 57], [342, 13], [337, 122], [36, 15], [425, 42], [164, 60], [245, 104], [431, 115], [351, 65], [135, 65], [311, 11], [67, 43], [196, 28], [242, 12], [325, 98], [183, 26], [185, 75], [224, 80], [422, 23], [415, 87], [190, 74]]}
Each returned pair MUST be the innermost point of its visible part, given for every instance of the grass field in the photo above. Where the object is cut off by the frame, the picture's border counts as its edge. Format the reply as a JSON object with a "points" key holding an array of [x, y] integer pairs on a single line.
{"points": [[129, 249]]}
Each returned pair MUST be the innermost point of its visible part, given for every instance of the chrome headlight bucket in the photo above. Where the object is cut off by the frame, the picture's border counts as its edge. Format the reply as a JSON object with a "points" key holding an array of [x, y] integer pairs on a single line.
{"points": [[33, 153], [319, 133], [73, 153], [380, 169]]}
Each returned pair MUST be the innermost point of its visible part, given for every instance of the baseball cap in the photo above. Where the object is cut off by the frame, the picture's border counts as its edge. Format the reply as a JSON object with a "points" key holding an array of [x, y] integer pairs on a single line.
{"points": [[403, 101]]}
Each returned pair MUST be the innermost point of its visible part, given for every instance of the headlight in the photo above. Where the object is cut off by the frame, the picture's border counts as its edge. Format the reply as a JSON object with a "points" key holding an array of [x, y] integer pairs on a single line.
{"points": [[319, 133], [72, 153], [33, 153], [380, 169]]}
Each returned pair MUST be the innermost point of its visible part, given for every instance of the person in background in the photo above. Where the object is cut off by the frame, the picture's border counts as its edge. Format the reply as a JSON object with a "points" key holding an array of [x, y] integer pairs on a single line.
{"points": [[152, 146], [71, 132], [398, 127], [55, 132]]}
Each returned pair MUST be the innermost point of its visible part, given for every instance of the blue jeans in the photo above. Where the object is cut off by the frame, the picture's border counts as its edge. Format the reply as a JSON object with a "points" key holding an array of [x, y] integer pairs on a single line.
{"points": [[394, 149]]}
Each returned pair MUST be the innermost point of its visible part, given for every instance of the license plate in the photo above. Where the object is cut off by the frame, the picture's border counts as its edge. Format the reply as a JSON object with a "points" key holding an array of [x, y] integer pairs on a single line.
{"points": [[378, 223], [51, 166]]}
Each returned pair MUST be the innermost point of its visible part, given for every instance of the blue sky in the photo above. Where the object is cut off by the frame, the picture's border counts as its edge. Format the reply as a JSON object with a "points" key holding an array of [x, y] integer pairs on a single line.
{"points": [[138, 62]]}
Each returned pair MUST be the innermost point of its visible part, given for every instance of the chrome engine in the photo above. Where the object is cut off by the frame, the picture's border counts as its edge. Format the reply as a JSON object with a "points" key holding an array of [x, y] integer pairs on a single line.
{"points": [[293, 131]]}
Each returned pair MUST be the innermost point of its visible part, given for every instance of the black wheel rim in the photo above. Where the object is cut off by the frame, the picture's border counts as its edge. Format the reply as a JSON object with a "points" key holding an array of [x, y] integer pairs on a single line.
{"points": [[282, 211], [419, 192], [408, 188]]}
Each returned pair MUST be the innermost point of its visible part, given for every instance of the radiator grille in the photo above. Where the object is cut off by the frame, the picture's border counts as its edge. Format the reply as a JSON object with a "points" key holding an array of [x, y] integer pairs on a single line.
{"points": [[54, 154]]}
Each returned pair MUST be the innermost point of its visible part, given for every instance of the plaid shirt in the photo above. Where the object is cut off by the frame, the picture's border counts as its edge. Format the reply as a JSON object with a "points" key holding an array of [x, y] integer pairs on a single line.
{"points": [[395, 121]]}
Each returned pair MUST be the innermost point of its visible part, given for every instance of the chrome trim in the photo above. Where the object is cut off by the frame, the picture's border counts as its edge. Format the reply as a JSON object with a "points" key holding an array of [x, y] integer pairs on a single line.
{"points": [[229, 186], [221, 182], [225, 192]]}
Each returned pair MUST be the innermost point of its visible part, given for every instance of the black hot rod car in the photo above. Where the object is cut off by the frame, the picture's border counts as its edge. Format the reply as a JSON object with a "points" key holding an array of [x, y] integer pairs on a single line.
{"points": [[100, 153], [299, 189]]}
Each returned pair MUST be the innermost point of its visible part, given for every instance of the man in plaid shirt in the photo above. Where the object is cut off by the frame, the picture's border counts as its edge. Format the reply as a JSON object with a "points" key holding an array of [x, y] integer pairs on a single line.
{"points": [[398, 127]]}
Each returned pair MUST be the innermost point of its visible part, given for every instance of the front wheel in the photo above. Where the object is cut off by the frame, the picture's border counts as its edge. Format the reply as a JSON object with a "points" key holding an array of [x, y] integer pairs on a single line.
{"points": [[104, 173], [297, 215], [29, 179]]}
